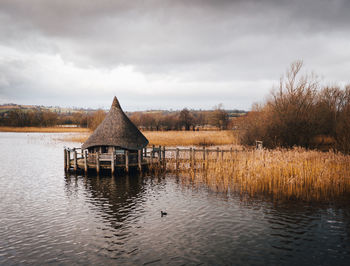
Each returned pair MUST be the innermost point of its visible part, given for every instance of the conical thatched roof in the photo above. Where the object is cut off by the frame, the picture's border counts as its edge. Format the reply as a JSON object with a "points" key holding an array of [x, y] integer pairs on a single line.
{"points": [[117, 130]]}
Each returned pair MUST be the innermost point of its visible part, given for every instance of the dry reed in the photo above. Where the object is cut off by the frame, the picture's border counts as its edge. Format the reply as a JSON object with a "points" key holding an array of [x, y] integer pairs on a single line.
{"points": [[180, 138], [283, 174], [191, 138]]}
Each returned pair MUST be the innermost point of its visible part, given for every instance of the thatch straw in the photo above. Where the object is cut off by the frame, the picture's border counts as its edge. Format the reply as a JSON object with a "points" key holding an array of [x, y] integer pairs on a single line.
{"points": [[117, 130]]}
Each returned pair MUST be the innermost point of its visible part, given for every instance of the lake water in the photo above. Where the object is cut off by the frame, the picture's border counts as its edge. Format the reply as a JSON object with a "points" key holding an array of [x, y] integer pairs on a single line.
{"points": [[47, 217]]}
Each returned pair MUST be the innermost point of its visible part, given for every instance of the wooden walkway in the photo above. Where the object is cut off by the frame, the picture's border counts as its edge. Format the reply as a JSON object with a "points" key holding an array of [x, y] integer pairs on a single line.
{"points": [[149, 158]]}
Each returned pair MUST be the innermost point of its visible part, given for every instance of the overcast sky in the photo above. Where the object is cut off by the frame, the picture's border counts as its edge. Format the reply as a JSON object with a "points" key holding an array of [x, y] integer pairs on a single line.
{"points": [[163, 54]]}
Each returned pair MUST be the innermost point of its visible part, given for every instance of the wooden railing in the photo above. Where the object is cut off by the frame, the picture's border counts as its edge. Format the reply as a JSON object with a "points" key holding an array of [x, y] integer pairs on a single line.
{"points": [[150, 155]]}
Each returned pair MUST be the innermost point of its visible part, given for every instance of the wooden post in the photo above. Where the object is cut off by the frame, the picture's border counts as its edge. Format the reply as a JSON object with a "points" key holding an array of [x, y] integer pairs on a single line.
{"points": [[85, 161], [75, 160], [191, 161], [151, 157], [231, 153], [217, 153], [97, 162], [222, 155], [65, 159], [177, 159], [68, 159], [159, 154], [203, 157], [112, 163], [127, 161], [139, 159], [163, 157], [194, 158], [206, 158]]}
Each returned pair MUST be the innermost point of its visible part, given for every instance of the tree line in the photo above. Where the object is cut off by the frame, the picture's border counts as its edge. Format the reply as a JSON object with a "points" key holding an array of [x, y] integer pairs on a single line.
{"points": [[158, 120], [301, 112]]}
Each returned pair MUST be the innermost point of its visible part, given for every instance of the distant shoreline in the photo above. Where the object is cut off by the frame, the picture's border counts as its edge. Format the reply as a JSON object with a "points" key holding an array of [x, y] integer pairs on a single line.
{"points": [[45, 129]]}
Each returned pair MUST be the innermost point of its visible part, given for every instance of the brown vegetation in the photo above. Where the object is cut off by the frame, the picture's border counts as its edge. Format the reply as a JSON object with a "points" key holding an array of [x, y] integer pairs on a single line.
{"points": [[298, 112], [282, 174], [181, 138]]}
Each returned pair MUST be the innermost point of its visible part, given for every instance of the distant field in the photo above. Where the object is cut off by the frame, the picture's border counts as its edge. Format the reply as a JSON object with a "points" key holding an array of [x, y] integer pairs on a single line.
{"points": [[181, 138], [44, 129]]}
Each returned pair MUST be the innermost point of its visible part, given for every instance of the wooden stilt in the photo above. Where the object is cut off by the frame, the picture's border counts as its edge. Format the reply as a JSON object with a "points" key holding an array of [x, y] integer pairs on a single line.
{"points": [[85, 161], [191, 160], [194, 158], [159, 154], [97, 162], [151, 157], [163, 157], [65, 159], [204, 157], [112, 163], [75, 160], [139, 159], [127, 161], [68, 160], [177, 158]]}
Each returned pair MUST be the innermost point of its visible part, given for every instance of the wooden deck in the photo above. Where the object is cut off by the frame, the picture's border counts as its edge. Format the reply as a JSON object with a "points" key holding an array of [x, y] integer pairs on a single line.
{"points": [[148, 158]]}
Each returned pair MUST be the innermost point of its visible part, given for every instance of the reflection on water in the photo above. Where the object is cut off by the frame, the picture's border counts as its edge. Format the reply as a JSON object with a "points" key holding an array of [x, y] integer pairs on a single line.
{"points": [[49, 217]]}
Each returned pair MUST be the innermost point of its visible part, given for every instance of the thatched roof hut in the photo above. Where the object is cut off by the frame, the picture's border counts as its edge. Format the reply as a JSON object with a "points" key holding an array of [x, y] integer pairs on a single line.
{"points": [[116, 130]]}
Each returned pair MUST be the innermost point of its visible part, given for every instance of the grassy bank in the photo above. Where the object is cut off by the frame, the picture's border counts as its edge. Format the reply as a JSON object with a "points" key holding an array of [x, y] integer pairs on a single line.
{"points": [[282, 174], [45, 129], [181, 138]]}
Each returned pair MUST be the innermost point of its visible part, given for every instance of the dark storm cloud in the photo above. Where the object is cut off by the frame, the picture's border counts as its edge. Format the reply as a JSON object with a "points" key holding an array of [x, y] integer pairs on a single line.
{"points": [[198, 40]]}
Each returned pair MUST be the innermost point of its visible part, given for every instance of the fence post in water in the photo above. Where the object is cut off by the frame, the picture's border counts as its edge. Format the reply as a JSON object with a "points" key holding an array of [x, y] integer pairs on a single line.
{"points": [[159, 154], [112, 163], [68, 159], [75, 160], [163, 157], [204, 157], [191, 160], [231, 153], [194, 158], [139, 159], [65, 159], [85, 161], [222, 155], [127, 161], [97, 162], [217, 153], [177, 158]]}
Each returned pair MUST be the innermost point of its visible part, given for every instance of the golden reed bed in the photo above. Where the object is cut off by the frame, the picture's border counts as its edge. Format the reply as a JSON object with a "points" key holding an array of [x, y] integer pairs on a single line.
{"points": [[179, 138], [282, 174]]}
